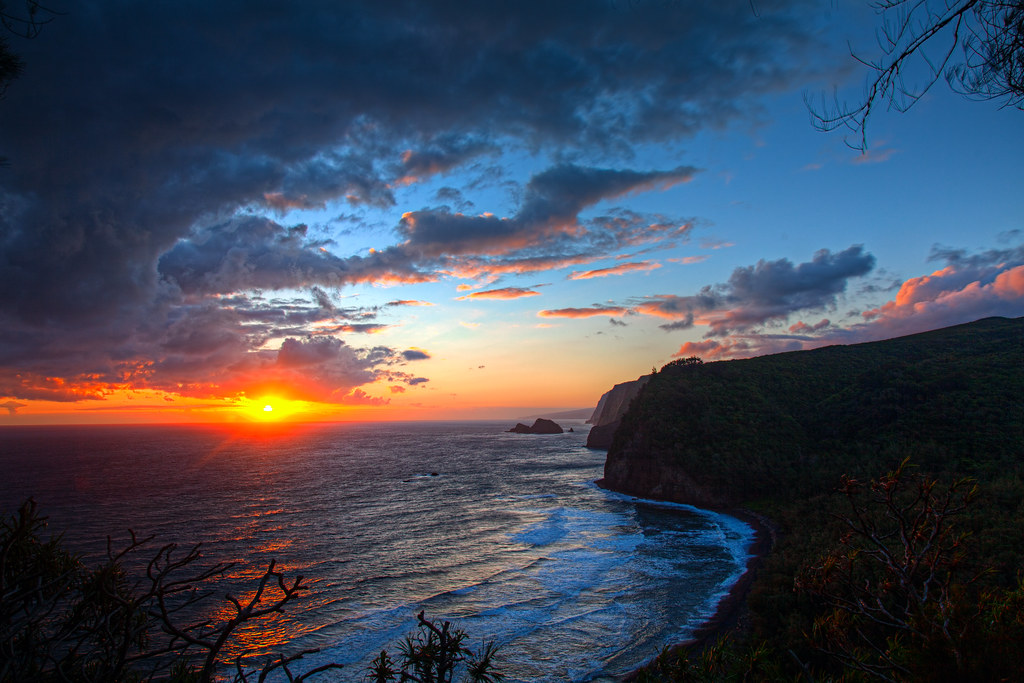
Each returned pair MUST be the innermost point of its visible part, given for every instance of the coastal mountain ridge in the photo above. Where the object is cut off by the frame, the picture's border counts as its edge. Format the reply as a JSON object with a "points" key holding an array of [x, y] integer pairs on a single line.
{"points": [[725, 433], [880, 476]]}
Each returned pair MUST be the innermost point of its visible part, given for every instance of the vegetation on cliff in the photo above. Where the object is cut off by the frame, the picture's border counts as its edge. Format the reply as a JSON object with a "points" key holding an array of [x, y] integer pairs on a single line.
{"points": [[784, 425], [894, 473]]}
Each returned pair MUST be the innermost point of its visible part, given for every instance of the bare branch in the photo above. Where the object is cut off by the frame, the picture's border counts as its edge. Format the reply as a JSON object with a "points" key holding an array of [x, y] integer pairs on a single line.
{"points": [[989, 33]]}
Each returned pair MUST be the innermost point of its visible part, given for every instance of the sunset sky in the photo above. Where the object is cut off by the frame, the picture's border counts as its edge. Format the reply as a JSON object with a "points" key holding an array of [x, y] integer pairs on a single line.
{"points": [[433, 210]]}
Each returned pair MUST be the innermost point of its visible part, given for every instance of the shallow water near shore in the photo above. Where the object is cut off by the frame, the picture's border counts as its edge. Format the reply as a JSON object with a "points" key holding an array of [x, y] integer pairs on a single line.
{"points": [[505, 534]]}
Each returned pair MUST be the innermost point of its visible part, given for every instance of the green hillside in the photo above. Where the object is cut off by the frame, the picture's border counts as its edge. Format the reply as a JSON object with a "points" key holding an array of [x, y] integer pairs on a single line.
{"points": [[877, 570], [951, 400]]}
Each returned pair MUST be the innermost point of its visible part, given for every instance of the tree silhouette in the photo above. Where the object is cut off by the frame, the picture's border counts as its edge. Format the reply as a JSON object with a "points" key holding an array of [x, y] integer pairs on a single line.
{"points": [[902, 596], [61, 621], [24, 24], [433, 655], [989, 35]]}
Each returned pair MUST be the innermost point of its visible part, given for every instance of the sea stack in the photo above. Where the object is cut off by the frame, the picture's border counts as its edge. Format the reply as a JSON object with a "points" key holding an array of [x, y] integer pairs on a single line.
{"points": [[540, 426]]}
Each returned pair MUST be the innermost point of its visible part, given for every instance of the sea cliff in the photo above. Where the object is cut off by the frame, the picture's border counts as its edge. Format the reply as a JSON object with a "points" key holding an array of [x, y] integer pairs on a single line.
{"points": [[610, 409], [834, 448], [727, 433]]}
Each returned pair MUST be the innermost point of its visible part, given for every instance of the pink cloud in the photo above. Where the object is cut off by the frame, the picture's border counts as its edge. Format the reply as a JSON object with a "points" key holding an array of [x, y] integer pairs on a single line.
{"points": [[740, 346], [584, 312], [503, 293], [803, 328], [966, 290], [474, 268], [873, 156], [952, 295], [615, 270]]}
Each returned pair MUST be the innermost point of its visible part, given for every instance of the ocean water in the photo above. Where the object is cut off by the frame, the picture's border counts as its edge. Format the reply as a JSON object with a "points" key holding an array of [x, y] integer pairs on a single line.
{"points": [[506, 534]]}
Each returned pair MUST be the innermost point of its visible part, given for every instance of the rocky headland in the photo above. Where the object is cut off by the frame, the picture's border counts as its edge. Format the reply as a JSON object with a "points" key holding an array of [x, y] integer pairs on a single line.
{"points": [[610, 409], [726, 433], [779, 433]]}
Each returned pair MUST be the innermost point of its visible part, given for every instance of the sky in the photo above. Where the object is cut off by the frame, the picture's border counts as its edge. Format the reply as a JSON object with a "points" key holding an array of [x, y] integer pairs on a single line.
{"points": [[243, 211]]}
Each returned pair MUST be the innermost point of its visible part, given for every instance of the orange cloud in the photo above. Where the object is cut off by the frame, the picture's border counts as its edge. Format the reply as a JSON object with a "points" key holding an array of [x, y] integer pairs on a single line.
{"points": [[1010, 284], [955, 294], [282, 203], [615, 270], [391, 279], [34, 386], [803, 328], [585, 312], [472, 269], [352, 328], [504, 293]]}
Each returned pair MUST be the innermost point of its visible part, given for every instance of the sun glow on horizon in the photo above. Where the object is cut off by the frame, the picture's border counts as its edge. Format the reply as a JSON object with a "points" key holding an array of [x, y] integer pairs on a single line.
{"points": [[272, 409]]}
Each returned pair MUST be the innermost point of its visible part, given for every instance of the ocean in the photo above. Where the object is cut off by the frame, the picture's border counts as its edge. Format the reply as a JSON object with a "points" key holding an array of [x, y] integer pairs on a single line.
{"points": [[505, 534]]}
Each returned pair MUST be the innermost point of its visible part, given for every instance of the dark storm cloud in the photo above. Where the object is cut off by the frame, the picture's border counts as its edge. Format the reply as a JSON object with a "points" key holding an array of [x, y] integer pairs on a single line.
{"points": [[415, 354], [248, 253], [963, 259], [551, 205], [140, 132], [769, 290], [294, 353], [443, 154]]}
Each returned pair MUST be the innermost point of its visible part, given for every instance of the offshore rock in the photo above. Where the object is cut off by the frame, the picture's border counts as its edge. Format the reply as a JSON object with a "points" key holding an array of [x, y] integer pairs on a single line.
{"points": [[540, 426]]}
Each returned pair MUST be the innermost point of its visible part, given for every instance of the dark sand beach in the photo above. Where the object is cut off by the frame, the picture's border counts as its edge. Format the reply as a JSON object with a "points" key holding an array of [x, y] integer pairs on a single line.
{"points": [[731, 609]]}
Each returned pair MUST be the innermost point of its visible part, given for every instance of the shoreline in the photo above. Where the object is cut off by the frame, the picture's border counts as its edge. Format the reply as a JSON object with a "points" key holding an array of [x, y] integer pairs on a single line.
{"points": [[732, 607]]}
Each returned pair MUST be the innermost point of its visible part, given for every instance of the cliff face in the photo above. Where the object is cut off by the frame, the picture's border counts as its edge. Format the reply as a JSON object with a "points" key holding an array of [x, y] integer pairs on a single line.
{"points": [[636, 469], [609, 411], [613, 404], [727, 433]]}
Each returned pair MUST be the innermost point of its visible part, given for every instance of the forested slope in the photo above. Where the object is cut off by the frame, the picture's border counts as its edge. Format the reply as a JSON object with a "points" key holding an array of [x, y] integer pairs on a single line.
{"points": [[731, 432], [891, 475]]}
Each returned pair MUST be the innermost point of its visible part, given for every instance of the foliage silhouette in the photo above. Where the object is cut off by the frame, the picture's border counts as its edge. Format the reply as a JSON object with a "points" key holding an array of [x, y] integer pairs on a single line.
{"points": [[60, 620], [988, 33], [433, 654]]}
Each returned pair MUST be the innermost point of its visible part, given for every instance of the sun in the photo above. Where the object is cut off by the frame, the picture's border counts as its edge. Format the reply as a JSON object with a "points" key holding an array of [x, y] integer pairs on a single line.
{"points": [[271, 409]]}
